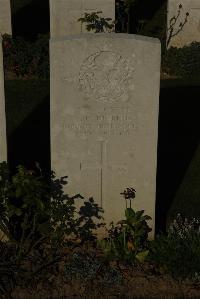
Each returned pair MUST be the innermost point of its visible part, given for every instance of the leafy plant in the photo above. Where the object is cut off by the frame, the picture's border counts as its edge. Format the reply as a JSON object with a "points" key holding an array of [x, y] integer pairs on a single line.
{"points": [[31, 205], [96, 23], [178, 251], [128, 240], [68, 222], [8, 269], [25, 58], [39, 220], [182, 62]]}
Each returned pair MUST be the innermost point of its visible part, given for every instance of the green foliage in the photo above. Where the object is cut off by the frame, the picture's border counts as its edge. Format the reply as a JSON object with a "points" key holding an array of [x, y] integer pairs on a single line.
{"points": [[36, 266], [128, 240], [182, 62], [25, 58], [39, 219], [25, 200], [4, 220], [31, 205], [66, 220], [178, 251], [96, 23], [8, 269]]}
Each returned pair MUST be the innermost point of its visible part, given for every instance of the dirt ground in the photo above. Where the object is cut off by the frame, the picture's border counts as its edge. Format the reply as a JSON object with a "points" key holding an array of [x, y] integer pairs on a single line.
{"points": [[110, 280], [136, 284]]}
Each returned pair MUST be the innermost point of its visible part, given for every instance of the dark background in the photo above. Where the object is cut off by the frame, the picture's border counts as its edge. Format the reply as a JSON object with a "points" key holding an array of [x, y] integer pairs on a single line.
{"points": [[30, 17]]}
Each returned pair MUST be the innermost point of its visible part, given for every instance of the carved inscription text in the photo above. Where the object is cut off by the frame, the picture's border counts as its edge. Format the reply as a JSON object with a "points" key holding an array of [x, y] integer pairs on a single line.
{"points": [[108, 122]]}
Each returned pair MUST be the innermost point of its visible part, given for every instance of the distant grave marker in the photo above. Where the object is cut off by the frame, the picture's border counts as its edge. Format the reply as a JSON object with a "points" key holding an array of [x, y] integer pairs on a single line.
{"points": [[5, 17], [3, 144], [104, 117]]}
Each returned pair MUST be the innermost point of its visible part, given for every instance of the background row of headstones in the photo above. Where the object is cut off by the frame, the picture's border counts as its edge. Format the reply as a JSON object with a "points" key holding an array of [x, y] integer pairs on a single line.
{"points": [[64, 15]]}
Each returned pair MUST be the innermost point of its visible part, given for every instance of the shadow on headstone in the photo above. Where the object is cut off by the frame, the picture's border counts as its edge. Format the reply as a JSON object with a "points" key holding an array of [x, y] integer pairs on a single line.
{"points": [[179, 137]]}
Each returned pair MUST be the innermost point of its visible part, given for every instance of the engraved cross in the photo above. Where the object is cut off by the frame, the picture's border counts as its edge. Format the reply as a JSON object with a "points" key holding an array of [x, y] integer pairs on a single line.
{"points": [[99, 167]]}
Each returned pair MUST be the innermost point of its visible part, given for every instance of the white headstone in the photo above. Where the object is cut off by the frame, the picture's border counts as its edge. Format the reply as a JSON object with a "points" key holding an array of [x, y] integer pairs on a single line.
{"points": [[3, 144], [5, 17], [64, 14], [191, 30], [104, 117]]}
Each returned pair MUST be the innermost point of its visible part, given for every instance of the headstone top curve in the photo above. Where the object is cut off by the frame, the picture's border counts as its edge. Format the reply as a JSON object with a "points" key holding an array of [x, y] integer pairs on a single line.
{"points": [[107, 35]]}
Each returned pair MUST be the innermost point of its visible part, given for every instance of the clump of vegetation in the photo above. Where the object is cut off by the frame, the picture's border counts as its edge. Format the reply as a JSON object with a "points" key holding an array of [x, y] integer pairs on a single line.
{"points": [[182, 62], [31, 205], [128, 240], [38, 220], [45, 231], [178, 251], [94, 22], [25, 58], [179, 62]]}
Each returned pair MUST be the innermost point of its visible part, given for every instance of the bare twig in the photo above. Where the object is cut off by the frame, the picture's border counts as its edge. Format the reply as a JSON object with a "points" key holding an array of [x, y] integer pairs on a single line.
{"points": [[173, 21]]}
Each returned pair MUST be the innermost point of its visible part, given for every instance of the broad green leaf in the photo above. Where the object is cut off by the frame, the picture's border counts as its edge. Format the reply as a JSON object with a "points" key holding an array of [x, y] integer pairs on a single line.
{"points": [[146, 217], [129, 213], [40, 205], [18, 212], [141, 256], [138, 214], [18, 192]]}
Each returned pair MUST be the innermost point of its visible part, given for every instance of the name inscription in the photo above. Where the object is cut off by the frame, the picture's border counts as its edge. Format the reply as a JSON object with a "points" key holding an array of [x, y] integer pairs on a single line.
{"points": [[100, 124]]}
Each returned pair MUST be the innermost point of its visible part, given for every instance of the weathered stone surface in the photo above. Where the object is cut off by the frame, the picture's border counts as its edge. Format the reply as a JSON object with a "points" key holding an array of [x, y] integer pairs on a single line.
{"points": [[104, 117], [65, 13], [3, 144], [5, 17], [191, 30]]}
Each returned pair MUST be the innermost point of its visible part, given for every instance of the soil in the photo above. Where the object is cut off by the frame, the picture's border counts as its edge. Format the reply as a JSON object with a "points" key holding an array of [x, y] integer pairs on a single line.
{"points": [[141, 281]]}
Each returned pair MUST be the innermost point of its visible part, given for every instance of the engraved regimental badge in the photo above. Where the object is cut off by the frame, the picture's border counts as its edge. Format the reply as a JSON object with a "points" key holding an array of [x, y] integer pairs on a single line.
{"points": [[105, 76]]}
